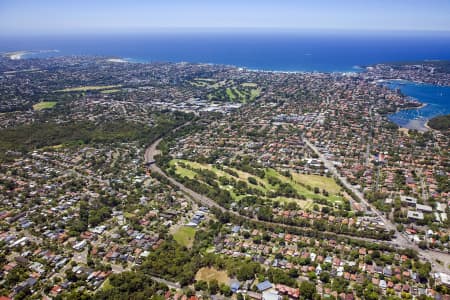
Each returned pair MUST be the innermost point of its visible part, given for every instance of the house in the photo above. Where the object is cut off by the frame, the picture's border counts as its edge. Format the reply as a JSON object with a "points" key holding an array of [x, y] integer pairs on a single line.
{"points": [[378, 269], [56, 290], [21, 260], [293, 293], [263, 286], [415, 215], [37, 267], [236, 229], [387, 271], [271, 295], [443, 278], [318, 270], [411, 201], [424, 208], [30, 282], [80, 245], [234, 286]]}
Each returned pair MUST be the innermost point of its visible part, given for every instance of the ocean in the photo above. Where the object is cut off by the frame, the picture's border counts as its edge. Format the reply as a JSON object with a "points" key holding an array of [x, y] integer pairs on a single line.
{"points": [[274, 51], [282, 51], [435, 98]]}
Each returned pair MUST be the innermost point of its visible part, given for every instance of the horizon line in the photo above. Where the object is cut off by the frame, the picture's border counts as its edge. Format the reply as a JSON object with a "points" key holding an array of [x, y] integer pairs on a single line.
{"points": [[223, 30]]}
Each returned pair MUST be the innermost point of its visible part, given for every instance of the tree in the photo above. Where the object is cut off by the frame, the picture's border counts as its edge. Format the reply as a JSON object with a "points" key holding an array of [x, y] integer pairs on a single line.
{"points": [[225, 290], [325, 277], [201, 285], [371, 292], [213, 286], [307, 290], [252, 180]]}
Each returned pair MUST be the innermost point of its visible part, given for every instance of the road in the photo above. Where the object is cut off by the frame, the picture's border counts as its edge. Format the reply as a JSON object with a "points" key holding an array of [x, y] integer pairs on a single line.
{"points": [[400, 240], [330, 166], [170, 284], [149, 156]]}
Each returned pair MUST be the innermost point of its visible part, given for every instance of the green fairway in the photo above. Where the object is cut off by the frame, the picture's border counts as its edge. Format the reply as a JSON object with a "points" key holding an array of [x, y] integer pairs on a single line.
{"points": [[184, 236], [89, 88], [322, 182], [254, 93], [231, 94], [44, 105], [228, 90], [303, 184]]}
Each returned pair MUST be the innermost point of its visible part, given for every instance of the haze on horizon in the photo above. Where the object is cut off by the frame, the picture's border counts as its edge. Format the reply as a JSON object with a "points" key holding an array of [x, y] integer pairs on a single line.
{"points": [[21, 17]]}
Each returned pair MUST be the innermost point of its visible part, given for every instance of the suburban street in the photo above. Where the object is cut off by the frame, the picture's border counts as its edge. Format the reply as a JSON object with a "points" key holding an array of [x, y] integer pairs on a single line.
{"points": [[400, 240]]}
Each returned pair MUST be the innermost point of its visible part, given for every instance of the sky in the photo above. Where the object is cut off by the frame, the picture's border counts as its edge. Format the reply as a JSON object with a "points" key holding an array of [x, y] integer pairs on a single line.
{"points": [[19, 17]]}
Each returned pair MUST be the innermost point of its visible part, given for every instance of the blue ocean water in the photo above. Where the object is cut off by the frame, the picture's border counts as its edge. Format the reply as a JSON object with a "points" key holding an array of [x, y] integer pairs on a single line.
{"points": [[280, 51], [435, 98], [275, 51]]}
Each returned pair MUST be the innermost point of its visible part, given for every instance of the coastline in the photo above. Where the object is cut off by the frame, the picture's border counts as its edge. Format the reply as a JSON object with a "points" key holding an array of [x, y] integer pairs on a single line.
{"points": [[17, 55], [422, 105], [117, 60], [416, 124], [406, 122], [414, 120], [428, 126]]}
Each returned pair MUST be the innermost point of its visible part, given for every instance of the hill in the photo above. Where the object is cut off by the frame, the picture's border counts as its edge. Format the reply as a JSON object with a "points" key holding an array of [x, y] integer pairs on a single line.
{"points": [[441, 123]]}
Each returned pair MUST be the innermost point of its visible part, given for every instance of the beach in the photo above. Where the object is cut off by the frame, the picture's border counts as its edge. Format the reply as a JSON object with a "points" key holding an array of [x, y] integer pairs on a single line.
{"points": [[117, 60], [16, 55]]}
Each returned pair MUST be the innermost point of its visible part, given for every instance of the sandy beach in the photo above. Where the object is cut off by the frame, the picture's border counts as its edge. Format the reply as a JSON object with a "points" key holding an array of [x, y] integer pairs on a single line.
{"points": [[419, 125], [117, 60], [16, 55]]}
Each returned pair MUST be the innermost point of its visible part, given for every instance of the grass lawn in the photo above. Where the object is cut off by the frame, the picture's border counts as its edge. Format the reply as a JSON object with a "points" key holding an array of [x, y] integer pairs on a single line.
{"points": [[128, 215], [263, 184], [208, 274], [231, 94], [233, 91], [90, 88], [44, 105], [106, 285], [305, 204], [322, 182], [186, 173], [254, 93], [195, 165], [298, 187], [298, 182], [184, 236]]}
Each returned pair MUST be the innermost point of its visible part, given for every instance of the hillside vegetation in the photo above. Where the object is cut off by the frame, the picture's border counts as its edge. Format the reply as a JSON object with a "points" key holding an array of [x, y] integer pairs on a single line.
{"points": [[440, 123]]}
